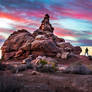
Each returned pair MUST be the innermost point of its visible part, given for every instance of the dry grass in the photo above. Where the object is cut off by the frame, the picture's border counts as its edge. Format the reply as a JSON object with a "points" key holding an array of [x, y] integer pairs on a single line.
{"points": [[89, 48]]}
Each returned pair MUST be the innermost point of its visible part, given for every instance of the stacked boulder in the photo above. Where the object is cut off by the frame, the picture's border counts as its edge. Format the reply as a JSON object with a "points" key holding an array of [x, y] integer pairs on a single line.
{"points": [[41, 42]]}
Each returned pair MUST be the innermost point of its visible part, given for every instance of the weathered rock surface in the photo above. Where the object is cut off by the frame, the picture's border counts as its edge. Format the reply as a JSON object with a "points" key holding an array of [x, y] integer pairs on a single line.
{"points": [[18, 45], [28, 60], [44, 47], [77, 50]]}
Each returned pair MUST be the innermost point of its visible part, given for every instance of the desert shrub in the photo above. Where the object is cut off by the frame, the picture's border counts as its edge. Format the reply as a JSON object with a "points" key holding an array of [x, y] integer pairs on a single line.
{"points": [[9, 84], [54, 66], [45, 66], [43, 62], [2, 66]]}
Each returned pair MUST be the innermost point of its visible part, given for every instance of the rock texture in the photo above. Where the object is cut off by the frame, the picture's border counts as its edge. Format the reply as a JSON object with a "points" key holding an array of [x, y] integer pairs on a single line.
{"points": [[46, 26], [41, 42], [44, 47], [18, 45], [77, 50]]}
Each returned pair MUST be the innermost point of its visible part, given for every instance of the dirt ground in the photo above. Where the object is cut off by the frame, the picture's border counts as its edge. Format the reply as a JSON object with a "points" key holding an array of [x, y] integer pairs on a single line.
{"points": [[54, 82], [57, 82]]}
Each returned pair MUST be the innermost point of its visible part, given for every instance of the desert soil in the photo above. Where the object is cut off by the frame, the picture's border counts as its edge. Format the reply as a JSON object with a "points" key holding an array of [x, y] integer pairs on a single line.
{"points": [[57, 82]]}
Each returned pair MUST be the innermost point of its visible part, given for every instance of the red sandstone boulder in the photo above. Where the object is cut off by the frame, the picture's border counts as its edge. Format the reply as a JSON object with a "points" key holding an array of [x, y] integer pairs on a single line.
{"points": [[77, 50], [44, 47], [58, 40], [18, 44], [41, 37], [65, 46]]}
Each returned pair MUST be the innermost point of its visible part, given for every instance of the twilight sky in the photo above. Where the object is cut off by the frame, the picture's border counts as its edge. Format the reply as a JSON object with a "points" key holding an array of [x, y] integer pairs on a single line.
{"points": [[72, 19]]}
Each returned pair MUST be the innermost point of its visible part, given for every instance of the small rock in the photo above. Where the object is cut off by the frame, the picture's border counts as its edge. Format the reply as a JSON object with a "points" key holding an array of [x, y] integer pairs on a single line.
{"points": [[65, 55], [27, 60], [35, 73]]}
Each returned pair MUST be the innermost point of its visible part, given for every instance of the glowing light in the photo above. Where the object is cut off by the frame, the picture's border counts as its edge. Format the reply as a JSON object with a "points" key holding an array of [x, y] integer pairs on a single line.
{"points": [[69, 38], [6, 23], [5, 35]]}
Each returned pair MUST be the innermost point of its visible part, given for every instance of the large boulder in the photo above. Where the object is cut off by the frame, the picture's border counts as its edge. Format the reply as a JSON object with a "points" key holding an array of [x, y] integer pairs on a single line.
{"points": [[44, 47], [77, 50], [77, 68], [40, 37], [18, 45], [68, 50], [65, 45], [58, 40]]}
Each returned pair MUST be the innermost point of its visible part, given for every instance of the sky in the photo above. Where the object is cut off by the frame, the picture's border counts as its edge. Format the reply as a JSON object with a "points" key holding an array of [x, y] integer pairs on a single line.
{"points": [[71, 19]]}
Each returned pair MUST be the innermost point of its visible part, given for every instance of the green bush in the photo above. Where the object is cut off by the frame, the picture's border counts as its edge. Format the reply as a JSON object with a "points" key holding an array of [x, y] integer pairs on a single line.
{"points": [[43, 62]]}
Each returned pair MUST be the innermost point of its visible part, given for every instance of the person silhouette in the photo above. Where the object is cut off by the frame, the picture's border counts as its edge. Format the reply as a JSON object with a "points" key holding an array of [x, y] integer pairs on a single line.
{"points": [[86, 51]]}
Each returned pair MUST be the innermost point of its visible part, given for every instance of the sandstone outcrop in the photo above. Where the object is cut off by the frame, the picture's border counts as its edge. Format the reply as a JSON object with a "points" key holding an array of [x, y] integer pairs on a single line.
{"points": [[44, 47], [18, 45], [41, 42], [77, 50]]}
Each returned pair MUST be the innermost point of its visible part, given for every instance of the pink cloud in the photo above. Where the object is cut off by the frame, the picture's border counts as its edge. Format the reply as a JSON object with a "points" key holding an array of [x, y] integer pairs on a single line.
{"points": [[78, 14], [63, 32], [11, 16]]}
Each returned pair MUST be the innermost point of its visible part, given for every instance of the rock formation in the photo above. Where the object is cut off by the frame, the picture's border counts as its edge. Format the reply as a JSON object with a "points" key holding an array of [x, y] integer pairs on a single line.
{"points": [[46, 26], [18, 45], [42, 42]]}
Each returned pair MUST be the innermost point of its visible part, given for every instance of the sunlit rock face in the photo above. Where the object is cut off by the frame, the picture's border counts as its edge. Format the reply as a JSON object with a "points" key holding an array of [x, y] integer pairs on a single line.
{"points": [[18, 45], [42, 42]]}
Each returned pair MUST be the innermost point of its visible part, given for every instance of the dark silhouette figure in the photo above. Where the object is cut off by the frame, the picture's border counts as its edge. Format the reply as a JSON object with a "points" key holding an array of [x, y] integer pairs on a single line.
{"points": [[86, 51]]}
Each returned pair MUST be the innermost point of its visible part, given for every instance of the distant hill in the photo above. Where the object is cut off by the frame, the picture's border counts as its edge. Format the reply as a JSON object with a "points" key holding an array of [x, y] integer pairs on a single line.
{"points": [[89, 48]]}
